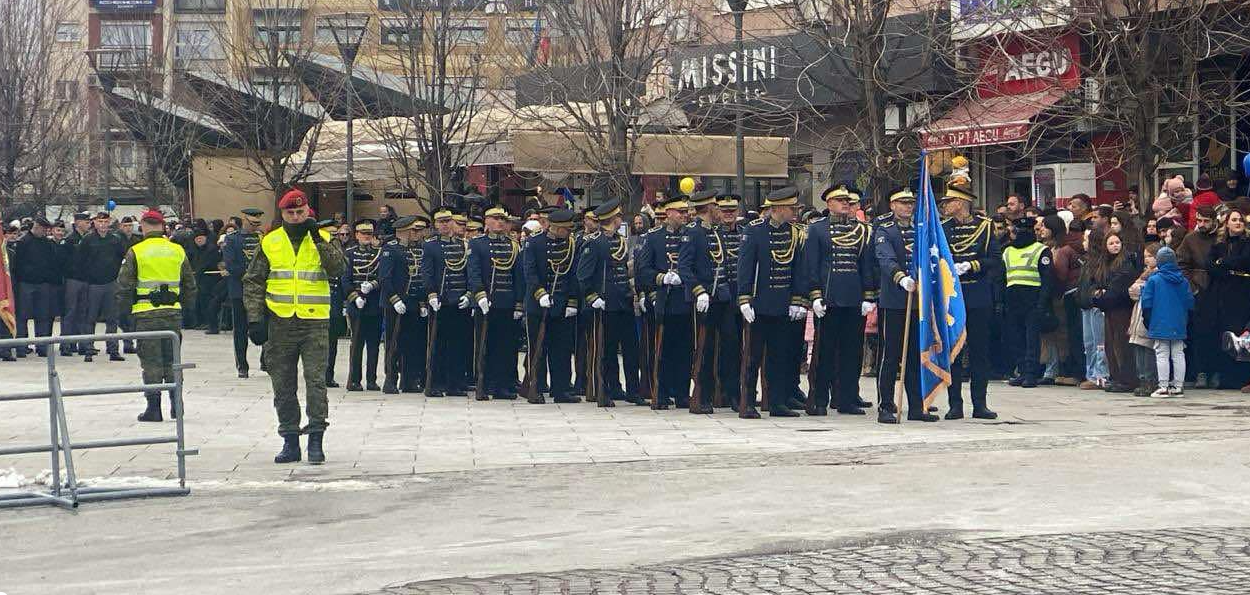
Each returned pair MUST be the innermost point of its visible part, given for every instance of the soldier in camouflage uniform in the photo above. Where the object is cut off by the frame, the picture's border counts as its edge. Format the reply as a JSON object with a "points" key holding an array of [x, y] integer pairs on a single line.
{"points": [[289, 280], [237, 253], [153, 280]]}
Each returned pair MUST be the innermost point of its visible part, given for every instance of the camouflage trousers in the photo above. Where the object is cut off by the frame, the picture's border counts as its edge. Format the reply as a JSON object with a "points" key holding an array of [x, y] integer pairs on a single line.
{"points": [[292, 340], [156, 356]]}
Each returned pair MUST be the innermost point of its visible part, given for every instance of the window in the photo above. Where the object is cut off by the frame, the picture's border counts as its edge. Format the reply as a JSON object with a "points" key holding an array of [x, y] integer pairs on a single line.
{"points": [[200, 5], [68, 32], [288, 92], [401, 31], [468, 31], [277, 27], [125, 162], [125, 34], [352, 29], [520, 31], [196, 41], [66, 90]]}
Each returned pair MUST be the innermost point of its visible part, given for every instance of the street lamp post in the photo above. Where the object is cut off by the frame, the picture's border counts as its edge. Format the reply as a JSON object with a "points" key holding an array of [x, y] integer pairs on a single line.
{"points": [[349, 30], [738, 7]]}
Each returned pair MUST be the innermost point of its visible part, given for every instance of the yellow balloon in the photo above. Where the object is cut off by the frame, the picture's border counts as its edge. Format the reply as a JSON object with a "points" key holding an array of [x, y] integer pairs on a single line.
{"points": [[686, 185]]}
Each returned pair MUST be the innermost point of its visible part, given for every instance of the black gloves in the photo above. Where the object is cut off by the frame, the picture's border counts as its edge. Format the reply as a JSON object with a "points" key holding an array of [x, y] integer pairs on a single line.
{"points": [[258, 332], [313, 230]]}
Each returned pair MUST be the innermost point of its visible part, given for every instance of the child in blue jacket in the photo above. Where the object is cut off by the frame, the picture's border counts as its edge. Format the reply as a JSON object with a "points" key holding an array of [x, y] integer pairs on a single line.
{"points": [[1165, 305]]}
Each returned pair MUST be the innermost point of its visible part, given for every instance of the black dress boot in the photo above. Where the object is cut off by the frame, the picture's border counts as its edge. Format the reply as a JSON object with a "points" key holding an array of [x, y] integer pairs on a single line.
{"points": [[153, 412], [389, 387], [290, 449], [315, 455]]}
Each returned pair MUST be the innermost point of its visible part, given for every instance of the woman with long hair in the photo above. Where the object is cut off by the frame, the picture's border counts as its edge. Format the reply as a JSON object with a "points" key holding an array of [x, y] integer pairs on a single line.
{"points": [[1112, 276], [1051, 231], [1123, 224], [1230, 284], [1092, 319]]}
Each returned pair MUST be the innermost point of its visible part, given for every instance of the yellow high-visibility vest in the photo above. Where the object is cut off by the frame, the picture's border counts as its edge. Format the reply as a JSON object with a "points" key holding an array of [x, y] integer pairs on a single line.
{"points": [[1021, 265], [158, 262], [297, 284]]}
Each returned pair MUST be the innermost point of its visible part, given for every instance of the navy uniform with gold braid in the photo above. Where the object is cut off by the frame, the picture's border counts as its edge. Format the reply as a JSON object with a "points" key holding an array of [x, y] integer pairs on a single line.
{"points": [[603, 274], [584, 316], [237, 254], [405, 333], [644, 289], [972, 241], [773, 282], [360, 280], [728, 346], [338, 320], [893, 245], [550, 264], [496, 275], [445, 274], [671, 310], [843, 272], [701, 264]]}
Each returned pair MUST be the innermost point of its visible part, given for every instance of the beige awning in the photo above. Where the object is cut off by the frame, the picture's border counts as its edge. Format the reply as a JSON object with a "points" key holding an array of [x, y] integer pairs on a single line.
{"points": [[656, 154]]}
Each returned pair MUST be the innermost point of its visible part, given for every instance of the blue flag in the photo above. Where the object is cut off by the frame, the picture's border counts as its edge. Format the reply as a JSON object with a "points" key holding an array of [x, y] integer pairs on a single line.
{"points": [[942, 317]]}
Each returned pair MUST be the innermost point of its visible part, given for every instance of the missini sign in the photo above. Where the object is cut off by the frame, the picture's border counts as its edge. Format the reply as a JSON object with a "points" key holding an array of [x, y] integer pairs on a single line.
{"points": [[719, 71]]}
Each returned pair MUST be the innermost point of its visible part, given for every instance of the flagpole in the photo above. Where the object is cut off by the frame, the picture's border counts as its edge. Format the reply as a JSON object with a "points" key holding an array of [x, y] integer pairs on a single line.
{"points": [[899, 386]]}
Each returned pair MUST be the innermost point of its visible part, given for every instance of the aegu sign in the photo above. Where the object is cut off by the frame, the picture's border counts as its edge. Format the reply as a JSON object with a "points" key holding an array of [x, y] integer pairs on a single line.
{"points": [[1018, 67]]}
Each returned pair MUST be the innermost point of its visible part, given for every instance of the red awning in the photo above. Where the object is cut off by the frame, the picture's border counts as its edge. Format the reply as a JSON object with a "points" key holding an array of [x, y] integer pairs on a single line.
{"points": [[989, 121]]}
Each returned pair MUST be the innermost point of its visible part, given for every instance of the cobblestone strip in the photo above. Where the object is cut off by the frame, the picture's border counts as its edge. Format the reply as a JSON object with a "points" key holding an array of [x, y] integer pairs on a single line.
{"points": [[1172, 561]]}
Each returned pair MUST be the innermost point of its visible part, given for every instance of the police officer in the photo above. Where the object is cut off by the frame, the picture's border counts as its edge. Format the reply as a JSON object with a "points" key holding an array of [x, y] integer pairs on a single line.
{"points": [[237, 254], [701, 263], [364, 306], [673, 323], [496, 279], [843, 271], [154, 283], [895, 240], [977, 256], [403, 298], [1027, 264], [551, 304], [286, 292], [772, 293], [603, 273], [37, 274], [728, 345], [445, 275]]}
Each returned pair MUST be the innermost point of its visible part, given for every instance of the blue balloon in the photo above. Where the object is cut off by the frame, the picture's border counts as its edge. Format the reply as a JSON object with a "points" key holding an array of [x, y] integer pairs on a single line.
{"points": [[112, 204], [1245, 166]]}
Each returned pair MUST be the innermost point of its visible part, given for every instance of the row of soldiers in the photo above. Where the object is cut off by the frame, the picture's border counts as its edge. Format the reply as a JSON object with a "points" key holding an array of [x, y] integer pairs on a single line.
{"points": [[716, 300]]}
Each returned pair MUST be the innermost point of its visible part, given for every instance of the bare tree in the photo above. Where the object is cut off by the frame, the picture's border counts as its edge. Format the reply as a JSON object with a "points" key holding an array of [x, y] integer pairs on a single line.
{"points": [[41, 131]]}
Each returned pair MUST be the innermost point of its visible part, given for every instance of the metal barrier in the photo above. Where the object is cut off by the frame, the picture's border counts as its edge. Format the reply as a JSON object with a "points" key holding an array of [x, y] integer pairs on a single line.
{"points": [[69, 494]]}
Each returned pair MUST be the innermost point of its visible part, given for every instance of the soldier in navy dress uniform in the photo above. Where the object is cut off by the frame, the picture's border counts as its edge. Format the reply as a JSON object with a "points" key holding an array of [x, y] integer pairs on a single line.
{"points": [[644, 290], [590, 226], [977, 254], [728, 345], [338, 319], [496, 279], [237, 254], [403, 301], [772, 293], [603, 274], [843, 272], [893, 244], [364, 306], [673, 323], [551, 304], [701, 262], [445, 275]]}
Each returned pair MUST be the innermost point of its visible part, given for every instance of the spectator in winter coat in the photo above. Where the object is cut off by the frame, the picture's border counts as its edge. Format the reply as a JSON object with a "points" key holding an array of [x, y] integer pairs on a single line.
{"points": [[1205, 195], [1230, 283], [1140, 343], [1165, 305], [1112, 278]]}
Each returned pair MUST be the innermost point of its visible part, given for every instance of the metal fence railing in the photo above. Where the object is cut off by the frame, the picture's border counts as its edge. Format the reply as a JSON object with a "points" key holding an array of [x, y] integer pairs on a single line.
{"points": [[68, 493]]}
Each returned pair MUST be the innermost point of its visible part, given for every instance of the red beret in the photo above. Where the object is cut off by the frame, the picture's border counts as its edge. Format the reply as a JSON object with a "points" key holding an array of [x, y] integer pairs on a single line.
{"points": [[292, 199], [153, 216]]}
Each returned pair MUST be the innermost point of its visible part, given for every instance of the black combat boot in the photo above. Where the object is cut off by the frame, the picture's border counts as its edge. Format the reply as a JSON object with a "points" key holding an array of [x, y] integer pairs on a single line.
{"points": [[316, 456], [290, 449], [388, 387], [153, 412]]}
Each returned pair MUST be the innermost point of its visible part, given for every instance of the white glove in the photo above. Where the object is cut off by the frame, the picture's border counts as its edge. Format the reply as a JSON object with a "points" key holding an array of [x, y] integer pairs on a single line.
{"points": [[907, 283], [360, 303], [570, 312], [400, 308], [484, 304], [366, 287], [702, 302], [517, 314], [818, 307], [866, 308], [962, 268], [598, 304], [425, 312], [344, 310], [672, 278], [797, 313], [463, 303], [435, 303], [642, 304], [545, 300], [748, 313]]}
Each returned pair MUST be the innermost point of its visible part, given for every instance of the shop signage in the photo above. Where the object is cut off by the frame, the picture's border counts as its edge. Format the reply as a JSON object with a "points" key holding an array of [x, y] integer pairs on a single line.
{"points": [[1021, 66], [725, 69], [976, 136], [123, 5]]}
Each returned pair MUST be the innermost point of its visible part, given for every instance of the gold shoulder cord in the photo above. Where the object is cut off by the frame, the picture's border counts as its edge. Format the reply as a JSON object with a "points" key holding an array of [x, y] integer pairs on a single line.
{"points": [[562, 266], [718, 253], [972, 238], [506, 262], [787, 254], [368, 265], [850, 238], [622, 248], [458, 265]]}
